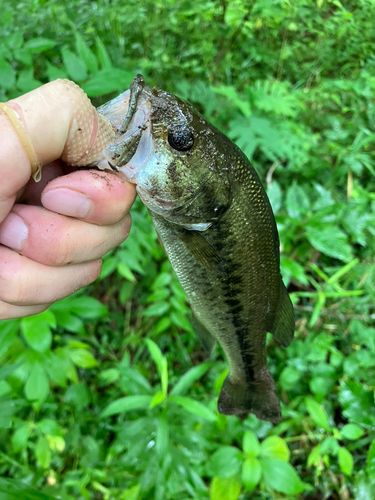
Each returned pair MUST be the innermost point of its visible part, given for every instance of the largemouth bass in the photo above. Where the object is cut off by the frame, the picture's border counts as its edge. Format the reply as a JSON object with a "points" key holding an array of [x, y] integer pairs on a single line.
{"points": [[216, 225]]}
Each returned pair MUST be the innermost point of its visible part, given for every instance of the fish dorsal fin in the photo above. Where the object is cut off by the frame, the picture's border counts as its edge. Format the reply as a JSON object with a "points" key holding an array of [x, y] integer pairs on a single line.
{"points": [[208, 341], [199, 247], [283, 325]]}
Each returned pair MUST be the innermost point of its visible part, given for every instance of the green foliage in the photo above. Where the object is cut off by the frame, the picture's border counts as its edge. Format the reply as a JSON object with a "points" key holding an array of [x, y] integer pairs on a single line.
{"points": [[108, 394]]}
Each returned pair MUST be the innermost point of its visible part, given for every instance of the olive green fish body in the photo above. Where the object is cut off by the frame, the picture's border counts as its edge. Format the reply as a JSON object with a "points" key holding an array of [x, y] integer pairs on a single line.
{"points": [[230, 274], [216, 224]]}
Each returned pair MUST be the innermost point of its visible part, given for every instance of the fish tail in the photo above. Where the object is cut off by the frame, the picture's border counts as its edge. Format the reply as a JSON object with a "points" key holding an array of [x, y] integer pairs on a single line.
{"points": [[258, 397]]}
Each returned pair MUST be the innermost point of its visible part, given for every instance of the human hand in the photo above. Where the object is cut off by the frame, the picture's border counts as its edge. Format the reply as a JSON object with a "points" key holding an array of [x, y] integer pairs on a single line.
{"points": [[54, 233]]}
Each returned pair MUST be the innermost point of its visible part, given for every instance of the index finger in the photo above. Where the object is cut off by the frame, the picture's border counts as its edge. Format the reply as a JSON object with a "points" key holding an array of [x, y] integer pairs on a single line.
{"points": [[60, 122]]}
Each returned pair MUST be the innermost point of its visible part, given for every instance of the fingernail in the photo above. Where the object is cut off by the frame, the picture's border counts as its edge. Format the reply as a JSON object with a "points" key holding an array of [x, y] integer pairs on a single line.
{"points": [[67, 202], [13, 232]]}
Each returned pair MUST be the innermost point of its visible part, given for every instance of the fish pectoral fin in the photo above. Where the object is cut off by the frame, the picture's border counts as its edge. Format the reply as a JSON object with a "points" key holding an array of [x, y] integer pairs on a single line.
{"points": [[208, 341], [284, 324], [199, 247]]}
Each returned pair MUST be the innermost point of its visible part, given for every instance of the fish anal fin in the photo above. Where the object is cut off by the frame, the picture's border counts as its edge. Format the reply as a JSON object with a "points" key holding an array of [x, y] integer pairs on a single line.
{"points": [[199, 248], [259, 398], [284, 324], [207, 340]]}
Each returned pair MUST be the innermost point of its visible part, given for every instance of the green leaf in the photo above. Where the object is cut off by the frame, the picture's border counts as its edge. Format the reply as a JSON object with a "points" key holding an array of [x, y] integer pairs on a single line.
{"points": [[74, 66], [160, 362], [20, 437], [86, 54], [188, 378], [26, 81], [351, 431], [157, 309], [87, 307], [123, 269], [226, 461], [251, 473], [289, 377], [70, 322], [231, 93], [330, 240], [43, 452], [370, 461], [330, 446], [131, 493], [357, 402], [364, 488], [274, 97], [317, 413], [275, 447], [57, 365], [157, 399], [14, 41], [109, 376], [55, 72], [314, 456], [77, 395], [251, 444], [290, 268], [7, 75], [162, 280], [37, 386], [49, 427], [7, 370], [297, 201], [126, 404], [225, 488], [162, 325], [179, 319], [37, 333], [82, 358], [345, 461], [107, 81], [38, 45], [103, 57], [10, 489], [194, 407], [280, 476], [275, 196], [162, 437], [324, 197]]}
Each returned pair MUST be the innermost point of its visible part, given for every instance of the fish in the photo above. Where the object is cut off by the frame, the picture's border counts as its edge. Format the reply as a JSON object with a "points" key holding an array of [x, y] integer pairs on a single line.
{"points": [[216, 225]]}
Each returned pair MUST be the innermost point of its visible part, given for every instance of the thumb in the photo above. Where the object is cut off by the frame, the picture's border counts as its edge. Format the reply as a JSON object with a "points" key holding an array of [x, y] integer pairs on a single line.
{"points": [[60, 121]]}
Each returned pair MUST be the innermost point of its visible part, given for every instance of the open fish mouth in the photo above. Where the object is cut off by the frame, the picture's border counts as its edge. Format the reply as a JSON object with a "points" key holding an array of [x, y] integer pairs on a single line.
{"points": [[129, 115], [132, 154]]}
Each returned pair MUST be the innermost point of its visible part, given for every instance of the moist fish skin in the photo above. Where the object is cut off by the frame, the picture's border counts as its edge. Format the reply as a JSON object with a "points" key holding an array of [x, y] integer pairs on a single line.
{"points": [[216, 225]]}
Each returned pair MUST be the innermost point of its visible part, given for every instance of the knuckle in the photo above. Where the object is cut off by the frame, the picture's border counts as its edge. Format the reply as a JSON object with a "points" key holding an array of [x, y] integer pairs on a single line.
{"points": [[14, 286]]}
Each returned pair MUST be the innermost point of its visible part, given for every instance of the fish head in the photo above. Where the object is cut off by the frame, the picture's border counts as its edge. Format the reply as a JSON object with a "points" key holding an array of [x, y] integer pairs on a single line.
{"points": [[174, 156]]}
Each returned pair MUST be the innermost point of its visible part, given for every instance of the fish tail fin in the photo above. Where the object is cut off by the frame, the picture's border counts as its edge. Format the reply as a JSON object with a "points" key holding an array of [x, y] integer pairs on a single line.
{"points": [[257, 397], [283, 325]]}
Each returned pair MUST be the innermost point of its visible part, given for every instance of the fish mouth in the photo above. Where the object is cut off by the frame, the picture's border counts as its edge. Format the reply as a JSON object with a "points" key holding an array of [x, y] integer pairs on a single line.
{"points": [[129, 115], [133, 148], [136, 88]]}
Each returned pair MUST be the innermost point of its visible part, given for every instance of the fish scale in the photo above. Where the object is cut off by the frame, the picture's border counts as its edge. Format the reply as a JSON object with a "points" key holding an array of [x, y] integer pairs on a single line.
{"points": [[228, 304]]}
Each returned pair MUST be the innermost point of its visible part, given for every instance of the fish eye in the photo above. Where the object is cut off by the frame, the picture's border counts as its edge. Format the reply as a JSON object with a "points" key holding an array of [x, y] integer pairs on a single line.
{"points": [[181, 137]]}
